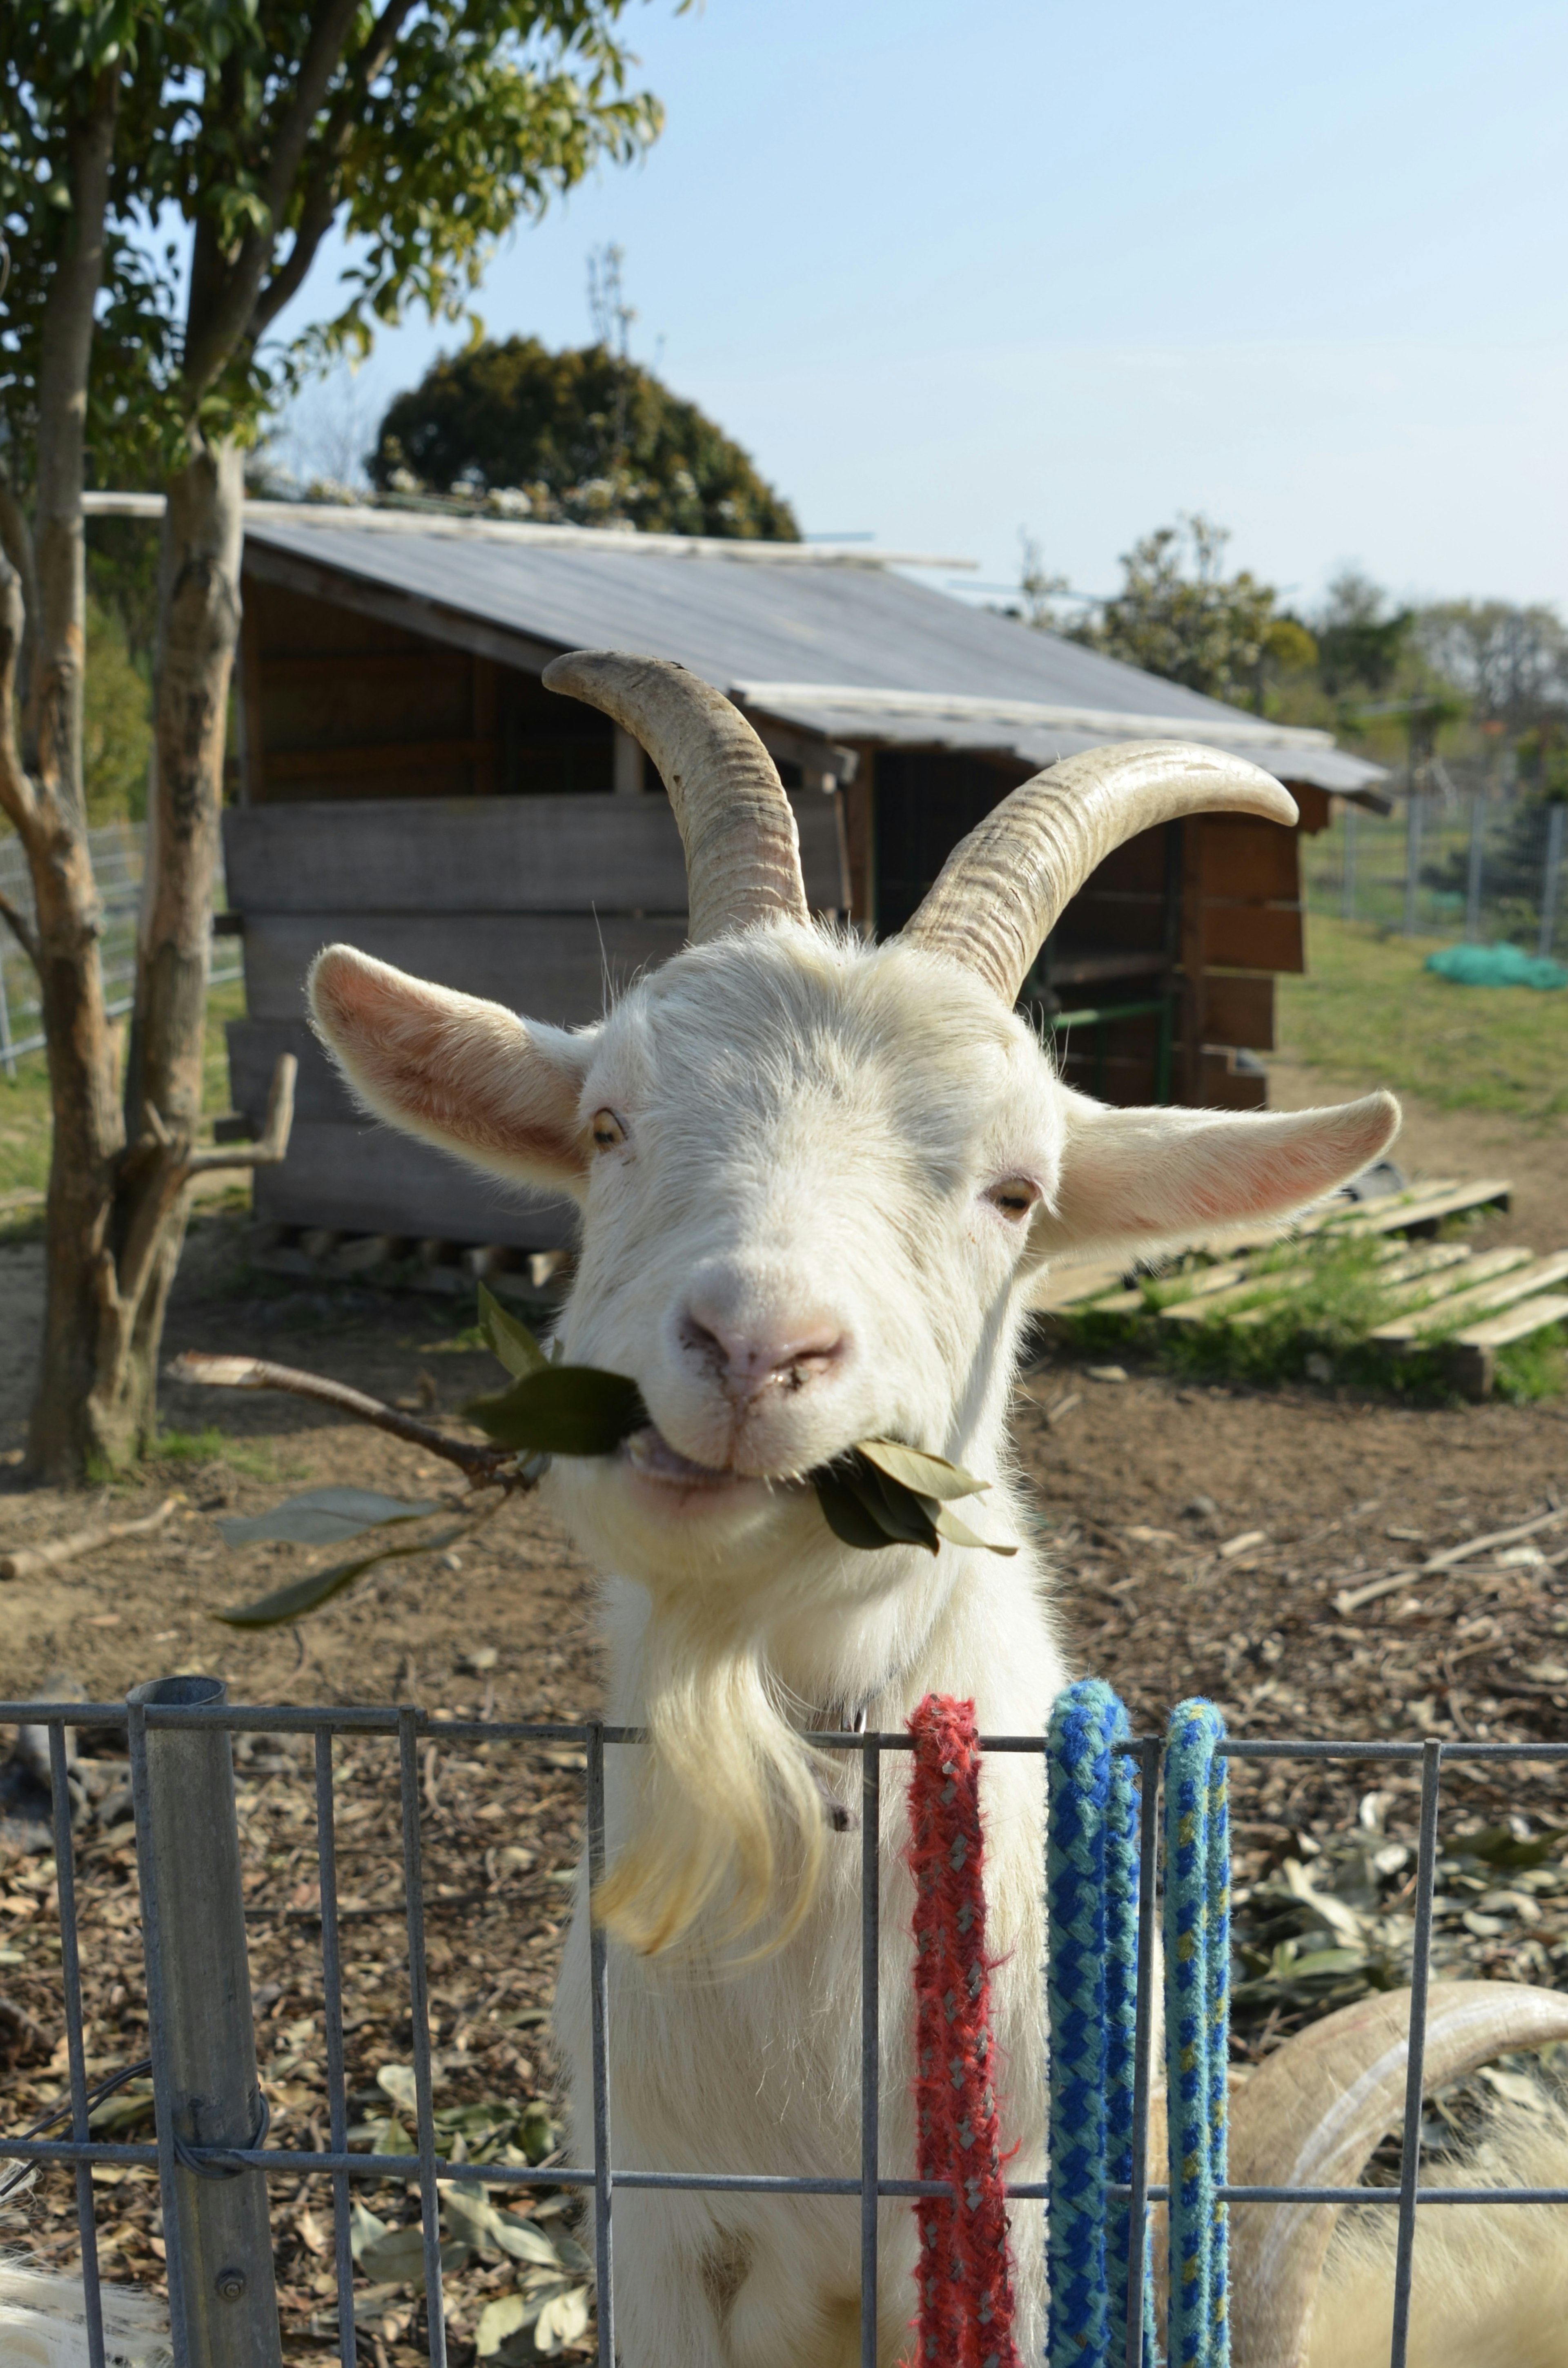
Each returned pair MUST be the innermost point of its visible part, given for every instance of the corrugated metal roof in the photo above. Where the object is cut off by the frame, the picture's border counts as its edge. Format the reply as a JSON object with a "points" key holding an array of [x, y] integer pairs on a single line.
{"points": [[804, 631]]}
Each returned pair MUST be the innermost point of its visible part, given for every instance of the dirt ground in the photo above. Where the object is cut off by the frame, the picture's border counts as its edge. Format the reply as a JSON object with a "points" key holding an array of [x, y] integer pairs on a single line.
{"points": [[1201, 1537]]}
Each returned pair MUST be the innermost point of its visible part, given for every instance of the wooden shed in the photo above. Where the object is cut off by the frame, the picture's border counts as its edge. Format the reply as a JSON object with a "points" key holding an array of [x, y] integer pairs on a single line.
{"points": [[405, 783]]}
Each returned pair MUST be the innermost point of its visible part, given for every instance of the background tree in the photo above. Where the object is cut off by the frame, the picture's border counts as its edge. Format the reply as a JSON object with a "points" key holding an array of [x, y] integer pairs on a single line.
{"points": [[587, 436], [1362, 639], [1177, 614], [421, 133]]}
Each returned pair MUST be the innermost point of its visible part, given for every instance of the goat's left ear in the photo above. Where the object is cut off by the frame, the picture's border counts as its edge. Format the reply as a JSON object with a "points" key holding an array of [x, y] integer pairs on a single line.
{"points": [[469, 1076], [1152, 1175]]}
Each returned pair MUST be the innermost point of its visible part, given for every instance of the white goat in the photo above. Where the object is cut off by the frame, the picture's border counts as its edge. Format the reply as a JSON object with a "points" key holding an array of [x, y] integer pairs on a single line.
{"points": [[817, 1178]]}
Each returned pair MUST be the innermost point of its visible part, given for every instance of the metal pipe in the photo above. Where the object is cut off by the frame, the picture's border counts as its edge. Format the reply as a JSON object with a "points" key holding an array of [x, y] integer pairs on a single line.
{"points": [[1550, 870], [75, 2046], [409, 1722], [332, 2007], [1420, 1975], [1473, 877], [599, 1989], [222, 2302], [871, 2037]]}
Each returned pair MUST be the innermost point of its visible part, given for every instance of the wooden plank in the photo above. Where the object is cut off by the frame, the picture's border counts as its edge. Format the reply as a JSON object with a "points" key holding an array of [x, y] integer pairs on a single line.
{"points": [[1472, 1356], [564, 854], [1068, 1286], [1219, 1299], [368, 1179], [253, 770], [1253, 937], [1239, 1011], [1407, 1331], [1255, 860], [561, 968], [483, 694], [375, 756], [334, 667], [1425, 1207]]}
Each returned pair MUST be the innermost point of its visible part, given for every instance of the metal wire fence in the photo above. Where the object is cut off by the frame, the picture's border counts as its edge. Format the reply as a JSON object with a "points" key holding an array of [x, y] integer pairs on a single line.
{"points": [[1483, 870], [119, 852], [211, 2126]]}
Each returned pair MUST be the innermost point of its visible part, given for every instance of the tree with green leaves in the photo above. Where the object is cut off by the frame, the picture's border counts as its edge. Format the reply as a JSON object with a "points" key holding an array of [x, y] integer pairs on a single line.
{"points": [[585, 436], [421, 133], [1177, 614], [1362, 639]]}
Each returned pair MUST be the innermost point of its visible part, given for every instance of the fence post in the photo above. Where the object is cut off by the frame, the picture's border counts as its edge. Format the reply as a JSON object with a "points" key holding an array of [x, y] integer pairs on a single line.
{"points": [[222, 2302], [1550, 869], [1472, 880], [1347, 886], [1411, 860]]}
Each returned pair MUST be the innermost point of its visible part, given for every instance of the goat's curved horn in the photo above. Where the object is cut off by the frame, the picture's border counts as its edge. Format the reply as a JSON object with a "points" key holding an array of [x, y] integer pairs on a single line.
{"points": [[743, 851], [1003, 888], [1311, 2116]]}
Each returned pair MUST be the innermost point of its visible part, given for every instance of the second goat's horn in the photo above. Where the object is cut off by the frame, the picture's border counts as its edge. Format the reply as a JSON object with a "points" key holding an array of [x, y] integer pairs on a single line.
{"points": [[1311, 2115], [1001, 889], [743, 851]]}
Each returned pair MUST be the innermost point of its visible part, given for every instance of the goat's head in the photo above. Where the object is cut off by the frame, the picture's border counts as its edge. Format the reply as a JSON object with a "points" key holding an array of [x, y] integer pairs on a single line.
{"points": [[816, 1176]]}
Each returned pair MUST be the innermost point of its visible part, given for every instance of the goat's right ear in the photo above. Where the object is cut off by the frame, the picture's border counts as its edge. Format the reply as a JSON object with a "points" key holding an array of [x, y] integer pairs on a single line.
{"points": [[469, 1076]]}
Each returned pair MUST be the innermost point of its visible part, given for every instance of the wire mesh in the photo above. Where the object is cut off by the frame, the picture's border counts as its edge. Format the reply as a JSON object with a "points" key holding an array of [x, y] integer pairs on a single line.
{"points": [[600, 2178]]}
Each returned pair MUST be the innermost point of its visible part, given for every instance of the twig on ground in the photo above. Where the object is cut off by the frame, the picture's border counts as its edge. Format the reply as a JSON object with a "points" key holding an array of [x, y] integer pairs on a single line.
{"points": [[481, 1463], [1351, 1598], [29, 1562]]}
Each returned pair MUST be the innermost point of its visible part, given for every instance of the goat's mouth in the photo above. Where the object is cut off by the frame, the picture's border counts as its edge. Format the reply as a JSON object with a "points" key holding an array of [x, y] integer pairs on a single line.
{"points": [[652, 1459]]}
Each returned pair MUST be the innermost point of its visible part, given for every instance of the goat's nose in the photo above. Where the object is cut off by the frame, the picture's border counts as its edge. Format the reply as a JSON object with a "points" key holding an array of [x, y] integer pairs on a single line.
{"points": [[749, 1359]]}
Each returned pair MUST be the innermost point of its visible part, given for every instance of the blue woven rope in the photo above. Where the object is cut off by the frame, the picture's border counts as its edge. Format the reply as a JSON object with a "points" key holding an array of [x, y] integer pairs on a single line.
{"points": [[1092, 1979], [1198, 1957]]}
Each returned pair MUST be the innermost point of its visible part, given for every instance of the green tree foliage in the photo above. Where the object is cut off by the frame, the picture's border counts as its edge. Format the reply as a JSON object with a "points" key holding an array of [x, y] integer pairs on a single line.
{"points": [[584, 436], [1361, 637], [1179, 615], [1509, 661]]}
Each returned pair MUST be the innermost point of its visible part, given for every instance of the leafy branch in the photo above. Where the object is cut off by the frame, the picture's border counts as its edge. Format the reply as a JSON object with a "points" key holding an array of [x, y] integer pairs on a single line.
{"points": [[878, 1494]]}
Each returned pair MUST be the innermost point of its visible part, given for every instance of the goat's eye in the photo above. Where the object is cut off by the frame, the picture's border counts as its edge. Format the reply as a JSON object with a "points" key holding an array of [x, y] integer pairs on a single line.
{"points": [[607, 1130], [1014, 1196]]}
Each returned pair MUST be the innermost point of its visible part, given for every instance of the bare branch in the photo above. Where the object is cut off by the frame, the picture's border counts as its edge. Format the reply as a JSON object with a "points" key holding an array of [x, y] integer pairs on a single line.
{"points": [[19, 800], [273, 1145], [212, 342], [481, 1463], [31, 1562], [21, 928], [320, 201]]}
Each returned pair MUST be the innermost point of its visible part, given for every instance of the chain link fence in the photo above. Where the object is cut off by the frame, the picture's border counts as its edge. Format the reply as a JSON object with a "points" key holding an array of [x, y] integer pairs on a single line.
{"points": [[1482, 870], [118, 851], [196, 1889]]}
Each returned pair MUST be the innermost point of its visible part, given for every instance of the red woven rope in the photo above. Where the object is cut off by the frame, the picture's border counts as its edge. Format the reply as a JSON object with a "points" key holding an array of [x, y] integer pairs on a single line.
{"points": [[966, 2296]]}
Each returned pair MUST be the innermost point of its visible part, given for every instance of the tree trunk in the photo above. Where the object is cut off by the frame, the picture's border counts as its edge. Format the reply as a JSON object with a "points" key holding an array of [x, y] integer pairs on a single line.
{"points": [[119, 1189], [59, 628]]}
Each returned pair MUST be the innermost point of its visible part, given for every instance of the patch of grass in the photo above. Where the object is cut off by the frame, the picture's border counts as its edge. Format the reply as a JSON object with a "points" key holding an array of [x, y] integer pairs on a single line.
{"points": [[1367, 1010], [1317, 1332], [26, 1123], [210, 1445]]}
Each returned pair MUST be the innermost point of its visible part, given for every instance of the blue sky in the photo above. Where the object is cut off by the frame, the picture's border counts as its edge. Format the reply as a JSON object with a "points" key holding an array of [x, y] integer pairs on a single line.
{"points": [[949, 272]]}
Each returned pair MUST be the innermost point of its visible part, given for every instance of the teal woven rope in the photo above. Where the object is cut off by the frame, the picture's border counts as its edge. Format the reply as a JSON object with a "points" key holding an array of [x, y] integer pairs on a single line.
{"points": [[1197, 2001], [1091, 1981]]}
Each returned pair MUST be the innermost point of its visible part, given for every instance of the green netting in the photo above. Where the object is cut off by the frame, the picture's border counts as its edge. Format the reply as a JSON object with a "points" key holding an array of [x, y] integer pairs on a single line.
{"points": [[1495, 966]]}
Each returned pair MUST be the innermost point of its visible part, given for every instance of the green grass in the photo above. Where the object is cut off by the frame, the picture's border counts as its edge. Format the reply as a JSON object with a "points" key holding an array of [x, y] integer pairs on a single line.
{"points": [[210, 1445], [1316, 1333], [24, 1121], [1367, 1011]]}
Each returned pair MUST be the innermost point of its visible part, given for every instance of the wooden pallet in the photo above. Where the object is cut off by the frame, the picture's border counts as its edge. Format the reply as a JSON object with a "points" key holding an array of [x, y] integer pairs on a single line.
{"points": [[533, 1279], [1463, 1303]]}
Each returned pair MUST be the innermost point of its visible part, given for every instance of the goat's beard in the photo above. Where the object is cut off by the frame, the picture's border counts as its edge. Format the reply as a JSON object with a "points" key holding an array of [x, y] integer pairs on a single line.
{"points": [[727, 1830]]}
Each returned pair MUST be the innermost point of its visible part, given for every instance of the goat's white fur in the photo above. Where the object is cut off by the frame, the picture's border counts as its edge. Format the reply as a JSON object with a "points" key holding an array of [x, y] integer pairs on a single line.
{"points": [[812, 1131]]}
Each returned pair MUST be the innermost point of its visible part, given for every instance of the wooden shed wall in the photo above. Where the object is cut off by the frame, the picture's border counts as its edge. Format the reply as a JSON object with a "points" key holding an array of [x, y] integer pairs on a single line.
{"points": [[546, 904]]}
